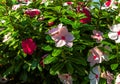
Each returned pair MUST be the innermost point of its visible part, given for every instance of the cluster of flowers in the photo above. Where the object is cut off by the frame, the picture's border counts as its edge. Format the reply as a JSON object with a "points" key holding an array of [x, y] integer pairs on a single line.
{"points": [[62, 37]]}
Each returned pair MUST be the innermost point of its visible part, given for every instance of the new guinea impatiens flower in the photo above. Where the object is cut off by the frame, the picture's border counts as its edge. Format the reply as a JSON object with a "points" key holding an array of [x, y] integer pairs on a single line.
{"points": [[98, 35], [96, 56], [32, 12], [29, 46], [65, 78], [94, 75], [117, 80], [61, 36], [114, 34]]}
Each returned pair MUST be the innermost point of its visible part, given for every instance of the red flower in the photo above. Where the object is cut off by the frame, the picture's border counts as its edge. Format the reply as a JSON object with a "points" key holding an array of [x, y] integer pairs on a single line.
{"points": [[87, 14], [107, 3], [28, 46], [32, 12]]}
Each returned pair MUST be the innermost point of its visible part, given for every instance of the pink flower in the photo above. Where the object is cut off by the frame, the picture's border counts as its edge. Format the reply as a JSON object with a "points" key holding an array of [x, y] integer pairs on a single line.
{"points": [[61, 36], [94, 75], [97, 35], [96, 56], [117, 81], [28, 46], [107, 75], [32, 12], [65, 78], [87, 14]]}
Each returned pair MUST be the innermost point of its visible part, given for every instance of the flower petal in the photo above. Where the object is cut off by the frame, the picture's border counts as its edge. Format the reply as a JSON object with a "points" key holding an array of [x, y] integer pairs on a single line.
{"points": [[115, 28], [60, 43], [69, 44], [69, 37], [53, 31], [118, 40], [94, 81], [63, 31], [91, 76], [113, 35]]}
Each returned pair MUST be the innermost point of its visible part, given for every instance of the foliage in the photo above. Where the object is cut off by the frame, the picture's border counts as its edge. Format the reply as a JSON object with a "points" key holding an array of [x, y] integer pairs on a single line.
{"points": [[20, 67]]}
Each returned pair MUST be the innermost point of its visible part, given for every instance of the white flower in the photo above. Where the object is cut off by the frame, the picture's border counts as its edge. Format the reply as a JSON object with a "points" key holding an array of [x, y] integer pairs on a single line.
{"points": [[109, 4], [6, 37], [94, 75], [114, 34], [65, 78], [117, 81], [15, 7]]}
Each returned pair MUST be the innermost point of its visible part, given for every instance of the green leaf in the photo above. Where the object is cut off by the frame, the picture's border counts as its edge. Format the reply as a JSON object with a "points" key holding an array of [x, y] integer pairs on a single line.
{"points": [[56, 52], [56, 68], [66, 21], [49, 59], [76, 25], [78, 60], [79, 69], [114, 66], [34, 64], [47, 48], [39, 67], [23, 76], [69, 67], [8, 71]]}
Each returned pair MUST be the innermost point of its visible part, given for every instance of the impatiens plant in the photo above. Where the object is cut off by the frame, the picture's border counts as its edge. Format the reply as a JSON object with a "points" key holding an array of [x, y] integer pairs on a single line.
{"points": [[59, 41]]}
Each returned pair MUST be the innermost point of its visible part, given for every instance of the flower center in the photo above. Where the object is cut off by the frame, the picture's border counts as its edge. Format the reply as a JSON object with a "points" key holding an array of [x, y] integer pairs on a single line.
{"points": [[118, 32], [98, 35], [63, 37], [95, 57], [96, 76]]}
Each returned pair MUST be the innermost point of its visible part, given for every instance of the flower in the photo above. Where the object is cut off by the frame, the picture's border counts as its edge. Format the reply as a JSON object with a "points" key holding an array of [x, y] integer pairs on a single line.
{"points": [[117, 81], [65, 78], [109, 4], [61, 36], [114, 34], [15, 7], [32, 12], [94, 75], [96, 56], [28, 46], [7, 37], [87, 19], [107, 75], [97, 35], [67, 3], [23, 1]]}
